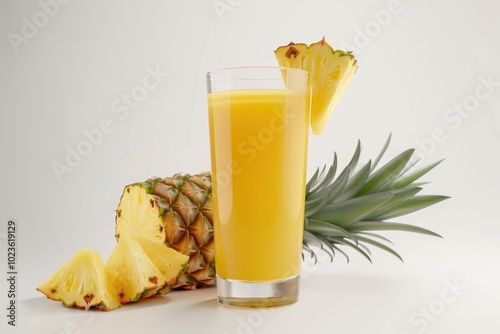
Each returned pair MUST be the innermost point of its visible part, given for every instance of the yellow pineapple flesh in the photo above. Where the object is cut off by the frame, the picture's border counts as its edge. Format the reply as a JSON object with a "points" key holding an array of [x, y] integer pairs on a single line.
{"points": [[81, 282], [132, 274], [331, 70], [169, 261]]}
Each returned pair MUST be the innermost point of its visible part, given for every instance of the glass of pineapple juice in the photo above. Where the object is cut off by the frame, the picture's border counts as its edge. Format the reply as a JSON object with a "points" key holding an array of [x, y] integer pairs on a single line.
{"points": [[259, 125]]}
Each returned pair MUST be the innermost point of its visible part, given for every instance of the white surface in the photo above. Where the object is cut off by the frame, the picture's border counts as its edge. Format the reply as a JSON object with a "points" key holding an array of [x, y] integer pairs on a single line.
{"points": [[69, 76]]}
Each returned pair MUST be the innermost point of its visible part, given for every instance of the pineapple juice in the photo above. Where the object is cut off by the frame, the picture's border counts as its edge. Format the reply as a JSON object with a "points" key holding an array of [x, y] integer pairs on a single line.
{"points": [[258, 149]]}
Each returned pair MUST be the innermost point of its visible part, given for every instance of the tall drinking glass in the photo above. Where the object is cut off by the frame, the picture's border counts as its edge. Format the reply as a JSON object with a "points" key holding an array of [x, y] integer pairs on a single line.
{"points": [[259, 125]]}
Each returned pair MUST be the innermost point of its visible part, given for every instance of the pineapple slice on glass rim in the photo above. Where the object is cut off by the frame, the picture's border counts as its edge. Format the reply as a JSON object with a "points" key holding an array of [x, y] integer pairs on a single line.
{"points": [[332, 70]]}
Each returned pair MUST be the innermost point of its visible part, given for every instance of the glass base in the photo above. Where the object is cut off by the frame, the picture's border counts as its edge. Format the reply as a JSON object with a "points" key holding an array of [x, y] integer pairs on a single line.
{"points": [[255, 294]]}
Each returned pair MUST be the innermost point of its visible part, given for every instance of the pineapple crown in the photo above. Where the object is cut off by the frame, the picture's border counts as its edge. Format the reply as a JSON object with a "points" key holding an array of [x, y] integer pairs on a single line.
{"points": [[345, 210]]}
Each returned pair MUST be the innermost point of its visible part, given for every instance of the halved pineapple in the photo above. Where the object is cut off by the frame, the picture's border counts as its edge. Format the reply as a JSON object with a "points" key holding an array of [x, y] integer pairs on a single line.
{"points": [[177, 212], [169, 261], [81, 282], [132, 274], [332, 70]]}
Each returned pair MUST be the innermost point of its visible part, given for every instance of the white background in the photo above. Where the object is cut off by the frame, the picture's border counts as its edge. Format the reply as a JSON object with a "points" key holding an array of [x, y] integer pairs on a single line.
{"points": [[420, 61]]}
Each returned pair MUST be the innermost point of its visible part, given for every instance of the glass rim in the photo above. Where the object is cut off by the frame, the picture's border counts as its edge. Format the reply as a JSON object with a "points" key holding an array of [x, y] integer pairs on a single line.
{"points": [[213, 73]]}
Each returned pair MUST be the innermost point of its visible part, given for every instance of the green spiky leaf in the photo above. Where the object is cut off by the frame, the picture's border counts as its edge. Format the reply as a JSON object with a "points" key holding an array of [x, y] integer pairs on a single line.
{"points": [[386, 174], [343, 211], [380, 245], [410, 178], [381, 153], [363, 226], [352, 210]]}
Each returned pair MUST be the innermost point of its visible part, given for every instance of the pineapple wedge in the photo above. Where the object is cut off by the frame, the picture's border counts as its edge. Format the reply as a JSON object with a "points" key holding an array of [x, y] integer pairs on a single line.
{"points": [[132, 274], [169, 261], [81, 282], [332, 70]]}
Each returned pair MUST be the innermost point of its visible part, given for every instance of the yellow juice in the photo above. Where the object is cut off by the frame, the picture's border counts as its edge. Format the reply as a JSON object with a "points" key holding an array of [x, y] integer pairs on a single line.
{"points": [[258, 149]]}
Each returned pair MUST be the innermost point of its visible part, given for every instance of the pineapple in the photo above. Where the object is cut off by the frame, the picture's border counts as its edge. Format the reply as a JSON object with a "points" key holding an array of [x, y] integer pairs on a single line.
{"points": [[167, 260], [81, 282], [332, 70], [340, 211], [132, 274], [175, 211]]}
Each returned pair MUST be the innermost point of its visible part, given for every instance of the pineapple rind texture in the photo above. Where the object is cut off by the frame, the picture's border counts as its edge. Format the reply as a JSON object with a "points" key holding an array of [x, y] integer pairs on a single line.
{"points": [[341, 211]]}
